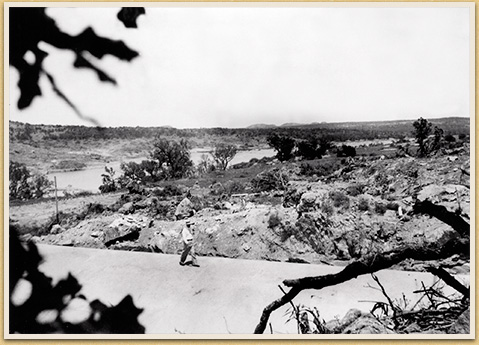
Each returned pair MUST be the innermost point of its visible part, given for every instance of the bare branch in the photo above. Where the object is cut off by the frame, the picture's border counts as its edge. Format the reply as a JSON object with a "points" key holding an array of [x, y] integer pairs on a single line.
{"points": [[369, 264]]}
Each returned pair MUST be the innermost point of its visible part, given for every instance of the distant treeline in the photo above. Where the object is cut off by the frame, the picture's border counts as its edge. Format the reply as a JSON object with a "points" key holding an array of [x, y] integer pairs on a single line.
{"points": [[330, 131]]}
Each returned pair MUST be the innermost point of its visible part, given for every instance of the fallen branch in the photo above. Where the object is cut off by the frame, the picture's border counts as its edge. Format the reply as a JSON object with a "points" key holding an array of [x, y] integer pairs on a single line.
{"points": [[440, 212], [449, 280], [369, 264]]}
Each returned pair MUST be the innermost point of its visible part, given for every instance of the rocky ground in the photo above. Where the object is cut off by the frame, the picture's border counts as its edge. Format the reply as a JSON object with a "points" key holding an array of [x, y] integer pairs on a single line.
{"points": [[363, 206]]}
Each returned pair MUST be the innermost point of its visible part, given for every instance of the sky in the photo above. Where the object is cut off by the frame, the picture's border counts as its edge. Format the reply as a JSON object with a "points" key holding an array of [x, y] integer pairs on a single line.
{"points": [[238, 66]]}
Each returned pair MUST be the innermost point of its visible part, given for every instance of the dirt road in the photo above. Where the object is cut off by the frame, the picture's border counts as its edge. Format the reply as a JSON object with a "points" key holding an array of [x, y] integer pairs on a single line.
{"points": [[222, 296]]}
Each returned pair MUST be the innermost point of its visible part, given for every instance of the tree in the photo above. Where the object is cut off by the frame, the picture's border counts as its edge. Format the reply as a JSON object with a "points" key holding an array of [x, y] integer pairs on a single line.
{"points": [[173, 158], [223, 154], [24, 185], [312, 148], [283, 145], [422, 130], [346, 151], [437, 140], [18, 185], [205, 165]]}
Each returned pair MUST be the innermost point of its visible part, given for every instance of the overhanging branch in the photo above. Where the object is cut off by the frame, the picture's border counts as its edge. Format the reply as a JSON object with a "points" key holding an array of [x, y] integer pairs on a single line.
{"points": [[369, 264]]}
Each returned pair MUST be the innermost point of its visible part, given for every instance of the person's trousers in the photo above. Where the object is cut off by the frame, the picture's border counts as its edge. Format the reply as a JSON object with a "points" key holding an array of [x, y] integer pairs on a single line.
{"points": [[187, 249]]}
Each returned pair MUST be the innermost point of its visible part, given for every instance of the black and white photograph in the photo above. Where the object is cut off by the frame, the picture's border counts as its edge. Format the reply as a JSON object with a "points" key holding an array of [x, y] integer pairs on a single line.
{"points": [[239, 170]]}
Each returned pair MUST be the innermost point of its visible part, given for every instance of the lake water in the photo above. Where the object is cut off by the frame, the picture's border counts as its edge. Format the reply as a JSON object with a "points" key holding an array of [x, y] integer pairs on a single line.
{"points": [[90, 179]]}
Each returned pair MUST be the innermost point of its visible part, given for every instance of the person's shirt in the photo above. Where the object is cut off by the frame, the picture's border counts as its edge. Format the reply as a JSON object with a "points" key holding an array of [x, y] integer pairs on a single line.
{"points": [[186, 235]]}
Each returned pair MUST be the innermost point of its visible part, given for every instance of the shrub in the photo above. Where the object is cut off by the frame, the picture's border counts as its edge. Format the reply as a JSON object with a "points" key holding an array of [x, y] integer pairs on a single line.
{"points": [[355, 189], [133, 171], [269, 180], [449, 138], [95, 208], [163, 210], [291, 197], [234, 187], [274, 220], [363, 204], [167, 191], [327, 207], [308, 169], [151, 167], [108, 181], [339, 199], [205, 165], [24, 185], [380, 208], [346, 151]]}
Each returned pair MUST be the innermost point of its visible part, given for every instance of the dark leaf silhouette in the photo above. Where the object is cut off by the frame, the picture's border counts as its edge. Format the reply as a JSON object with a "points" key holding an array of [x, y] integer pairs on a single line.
{"points": [[129, 15], [44, 298], [31, 25]]}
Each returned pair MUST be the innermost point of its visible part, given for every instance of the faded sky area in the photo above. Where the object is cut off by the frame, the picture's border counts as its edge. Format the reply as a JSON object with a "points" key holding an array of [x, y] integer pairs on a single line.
{"points": [[237, 66]]}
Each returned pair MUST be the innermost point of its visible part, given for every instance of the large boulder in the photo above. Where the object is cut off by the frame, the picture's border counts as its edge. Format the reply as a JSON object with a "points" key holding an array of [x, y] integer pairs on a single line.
{"points": [[184, 209], [127, 208], [151, 201], [124, 228]]}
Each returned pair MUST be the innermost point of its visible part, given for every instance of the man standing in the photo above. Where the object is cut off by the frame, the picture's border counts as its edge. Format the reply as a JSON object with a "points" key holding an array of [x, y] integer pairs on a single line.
{"points": [[187, 239]]}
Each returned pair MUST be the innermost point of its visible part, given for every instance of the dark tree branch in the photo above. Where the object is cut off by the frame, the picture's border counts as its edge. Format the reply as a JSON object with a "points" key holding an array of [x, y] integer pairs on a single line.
{"points": [[67, 100], [440, 212], [449, 280], [82, 62]]}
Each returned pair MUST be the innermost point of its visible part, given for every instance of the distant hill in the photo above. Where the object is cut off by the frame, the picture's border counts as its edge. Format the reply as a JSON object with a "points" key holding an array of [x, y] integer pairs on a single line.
{"points": [[448, 124], [291, 124], [338, 131], [261, 125]]}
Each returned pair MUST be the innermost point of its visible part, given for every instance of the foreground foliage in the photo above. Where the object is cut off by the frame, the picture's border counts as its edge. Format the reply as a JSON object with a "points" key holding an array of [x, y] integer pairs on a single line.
{"points": [[39, 306]]}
